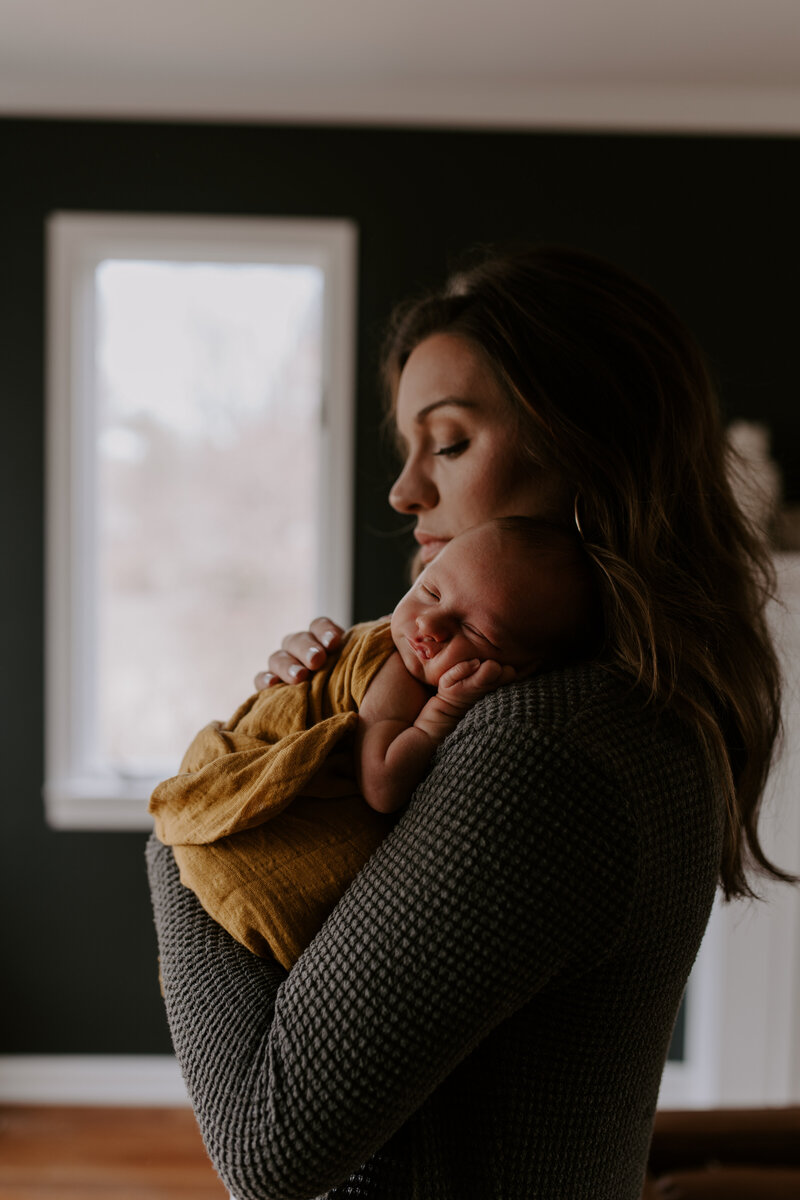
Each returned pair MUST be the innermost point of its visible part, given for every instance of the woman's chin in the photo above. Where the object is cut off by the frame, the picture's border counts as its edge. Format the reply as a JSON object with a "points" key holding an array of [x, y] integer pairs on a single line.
{"points": [[429, 550]]}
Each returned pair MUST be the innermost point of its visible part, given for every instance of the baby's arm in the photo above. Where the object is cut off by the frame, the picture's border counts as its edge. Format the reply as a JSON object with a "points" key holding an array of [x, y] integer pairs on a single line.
{"points": [[401, 724]]}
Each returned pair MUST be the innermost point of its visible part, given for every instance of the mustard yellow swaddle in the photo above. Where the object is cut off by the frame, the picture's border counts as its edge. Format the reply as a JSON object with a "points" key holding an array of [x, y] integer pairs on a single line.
{"points": [[265, 819]]}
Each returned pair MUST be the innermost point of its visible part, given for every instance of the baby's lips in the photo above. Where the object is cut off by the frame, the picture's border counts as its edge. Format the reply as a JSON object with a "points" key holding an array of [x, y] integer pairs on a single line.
{"points": [[421, 648]]}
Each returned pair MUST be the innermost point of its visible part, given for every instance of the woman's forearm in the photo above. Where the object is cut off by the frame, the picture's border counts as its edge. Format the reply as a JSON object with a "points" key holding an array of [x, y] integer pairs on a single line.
{"points": [[204, 971]]}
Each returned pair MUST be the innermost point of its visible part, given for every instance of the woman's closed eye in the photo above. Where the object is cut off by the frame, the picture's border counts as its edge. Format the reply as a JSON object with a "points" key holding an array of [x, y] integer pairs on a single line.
{"points": [[453, 450]]}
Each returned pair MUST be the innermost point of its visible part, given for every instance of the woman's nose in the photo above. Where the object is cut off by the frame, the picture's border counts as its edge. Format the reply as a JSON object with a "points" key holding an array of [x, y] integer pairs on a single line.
{"points": [[413, 491]]}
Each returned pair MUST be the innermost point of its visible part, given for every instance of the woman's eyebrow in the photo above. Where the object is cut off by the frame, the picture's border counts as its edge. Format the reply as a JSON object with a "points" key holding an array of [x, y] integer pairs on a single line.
{"points": [[401, 442], [455, 401]]}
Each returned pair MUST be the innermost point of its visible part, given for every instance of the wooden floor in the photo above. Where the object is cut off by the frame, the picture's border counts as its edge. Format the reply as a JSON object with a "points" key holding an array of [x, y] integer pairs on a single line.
{"points": [[81, 1153]]}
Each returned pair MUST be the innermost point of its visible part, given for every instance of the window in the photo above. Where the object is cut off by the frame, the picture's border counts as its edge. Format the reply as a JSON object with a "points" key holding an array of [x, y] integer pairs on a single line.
{"points": [[200, 384]]}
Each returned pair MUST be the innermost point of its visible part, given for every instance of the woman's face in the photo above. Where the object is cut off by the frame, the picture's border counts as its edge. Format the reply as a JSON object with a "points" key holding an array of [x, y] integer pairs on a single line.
{"points": [[463, 460]]}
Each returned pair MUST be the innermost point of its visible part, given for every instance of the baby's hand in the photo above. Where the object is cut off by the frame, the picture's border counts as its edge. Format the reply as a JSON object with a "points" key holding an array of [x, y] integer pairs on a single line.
{"points": [[465, 683]]}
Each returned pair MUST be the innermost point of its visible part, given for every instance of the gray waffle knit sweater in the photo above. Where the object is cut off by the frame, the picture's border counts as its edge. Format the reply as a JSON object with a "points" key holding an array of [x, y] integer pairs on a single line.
{"points": [[487, 1011]]}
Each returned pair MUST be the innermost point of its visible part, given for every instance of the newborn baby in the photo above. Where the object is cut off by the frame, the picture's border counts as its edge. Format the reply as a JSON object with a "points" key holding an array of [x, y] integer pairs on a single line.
{"points": [[500, 601], [267, 817]]}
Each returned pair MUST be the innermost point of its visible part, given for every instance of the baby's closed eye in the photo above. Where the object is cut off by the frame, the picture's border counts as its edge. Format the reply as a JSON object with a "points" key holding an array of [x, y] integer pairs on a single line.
{"points": [[477, 633]]}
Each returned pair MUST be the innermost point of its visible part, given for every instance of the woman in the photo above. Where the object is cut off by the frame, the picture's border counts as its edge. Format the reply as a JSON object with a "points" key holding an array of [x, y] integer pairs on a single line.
{"points": [[487, 1011]]}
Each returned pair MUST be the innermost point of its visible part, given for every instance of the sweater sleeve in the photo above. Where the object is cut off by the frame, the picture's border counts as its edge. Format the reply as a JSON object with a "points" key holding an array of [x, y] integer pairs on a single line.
{"points": [[513, 862]]}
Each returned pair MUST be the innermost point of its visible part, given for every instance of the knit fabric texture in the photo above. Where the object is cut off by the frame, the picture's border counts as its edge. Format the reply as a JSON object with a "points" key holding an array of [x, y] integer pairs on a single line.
{"points": [[487, 1011]]}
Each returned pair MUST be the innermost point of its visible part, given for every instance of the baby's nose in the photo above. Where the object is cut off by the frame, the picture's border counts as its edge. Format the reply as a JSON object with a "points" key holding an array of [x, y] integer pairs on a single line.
{"points": [[431, 628]]}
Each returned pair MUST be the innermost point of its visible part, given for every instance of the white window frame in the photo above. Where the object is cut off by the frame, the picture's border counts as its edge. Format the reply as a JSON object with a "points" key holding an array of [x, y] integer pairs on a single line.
{"points": [[75, 797]]}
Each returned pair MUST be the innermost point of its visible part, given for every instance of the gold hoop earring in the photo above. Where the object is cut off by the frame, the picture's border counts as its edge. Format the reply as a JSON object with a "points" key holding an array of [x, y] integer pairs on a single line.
{"points": [[576, 515]]}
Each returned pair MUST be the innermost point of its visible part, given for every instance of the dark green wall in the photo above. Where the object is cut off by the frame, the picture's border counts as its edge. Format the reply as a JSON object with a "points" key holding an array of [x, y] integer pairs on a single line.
{"points": [[709, 222]]}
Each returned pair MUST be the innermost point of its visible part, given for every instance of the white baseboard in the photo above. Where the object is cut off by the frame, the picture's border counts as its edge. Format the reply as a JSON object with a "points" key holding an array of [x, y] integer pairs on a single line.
{"points": [[91, 1079]]}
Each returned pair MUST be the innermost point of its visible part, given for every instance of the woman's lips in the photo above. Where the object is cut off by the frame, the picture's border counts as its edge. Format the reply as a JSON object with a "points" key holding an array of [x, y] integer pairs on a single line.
{"points": [[430, 546]]}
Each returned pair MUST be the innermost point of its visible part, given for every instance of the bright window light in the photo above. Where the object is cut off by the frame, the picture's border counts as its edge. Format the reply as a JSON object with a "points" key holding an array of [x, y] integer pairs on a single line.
{"points": [[199, 482]]}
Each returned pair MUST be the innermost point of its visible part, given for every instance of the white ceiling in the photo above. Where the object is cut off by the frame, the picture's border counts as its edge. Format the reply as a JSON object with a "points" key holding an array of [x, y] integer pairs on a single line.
{"points": [[683, 64]]}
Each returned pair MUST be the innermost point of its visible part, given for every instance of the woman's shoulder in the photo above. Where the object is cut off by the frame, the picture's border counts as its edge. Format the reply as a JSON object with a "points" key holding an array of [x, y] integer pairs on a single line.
{"points": [[582, 747], [603, 717], [550, 700]]}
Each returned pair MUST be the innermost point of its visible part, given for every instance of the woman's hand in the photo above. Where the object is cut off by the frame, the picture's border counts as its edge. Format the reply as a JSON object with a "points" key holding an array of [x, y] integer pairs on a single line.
{"points": [[301, 654]]}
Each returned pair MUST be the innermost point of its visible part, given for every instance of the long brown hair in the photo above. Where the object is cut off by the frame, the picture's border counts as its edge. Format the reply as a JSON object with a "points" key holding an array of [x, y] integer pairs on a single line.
{"points": [[612, 392]]}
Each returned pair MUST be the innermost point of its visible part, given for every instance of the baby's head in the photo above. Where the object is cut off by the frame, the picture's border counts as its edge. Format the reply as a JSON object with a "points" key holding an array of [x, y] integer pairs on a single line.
{"points": [[518, 590]]}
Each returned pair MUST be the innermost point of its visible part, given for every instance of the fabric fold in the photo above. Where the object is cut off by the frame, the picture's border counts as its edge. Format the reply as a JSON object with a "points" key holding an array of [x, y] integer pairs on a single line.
{"points": [[264, 817]]}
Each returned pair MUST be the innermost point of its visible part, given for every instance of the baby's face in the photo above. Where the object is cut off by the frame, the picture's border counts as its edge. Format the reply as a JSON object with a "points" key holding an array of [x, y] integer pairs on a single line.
{"points": [[470, 602]]}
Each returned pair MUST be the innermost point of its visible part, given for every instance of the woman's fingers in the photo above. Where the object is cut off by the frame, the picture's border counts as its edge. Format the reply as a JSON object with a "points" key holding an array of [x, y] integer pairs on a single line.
{"points": [[301, 654], [264, 679], [283, 668], [327, 632]]}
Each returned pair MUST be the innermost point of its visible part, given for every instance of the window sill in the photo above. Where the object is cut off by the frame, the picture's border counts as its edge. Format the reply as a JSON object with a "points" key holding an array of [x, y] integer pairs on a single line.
{"points": [[106, 802]]}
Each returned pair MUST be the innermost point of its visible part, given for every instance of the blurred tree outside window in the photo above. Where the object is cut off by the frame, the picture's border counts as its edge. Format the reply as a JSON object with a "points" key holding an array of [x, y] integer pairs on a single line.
{"points": [[208, 399]]}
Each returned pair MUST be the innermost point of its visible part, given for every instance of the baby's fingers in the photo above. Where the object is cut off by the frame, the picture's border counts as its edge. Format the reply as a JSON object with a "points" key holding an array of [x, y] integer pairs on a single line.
{"points": [[491, 674], [460, 672], [471, 679]]}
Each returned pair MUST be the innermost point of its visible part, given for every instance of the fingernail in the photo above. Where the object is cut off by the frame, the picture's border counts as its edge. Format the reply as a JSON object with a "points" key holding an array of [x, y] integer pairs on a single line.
{"points": [[327, 637], [313, 655], [295, 670], [262, 680]]}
